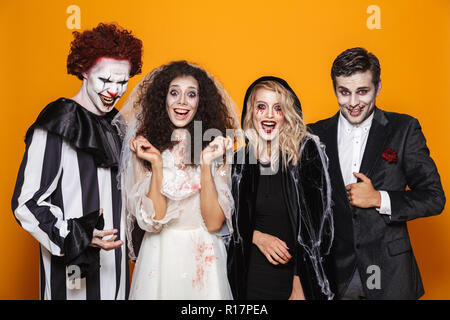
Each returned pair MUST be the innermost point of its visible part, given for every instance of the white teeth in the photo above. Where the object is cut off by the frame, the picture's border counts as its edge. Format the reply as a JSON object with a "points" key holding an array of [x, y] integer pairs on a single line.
{"points": [[269, 124], [181, 111]]}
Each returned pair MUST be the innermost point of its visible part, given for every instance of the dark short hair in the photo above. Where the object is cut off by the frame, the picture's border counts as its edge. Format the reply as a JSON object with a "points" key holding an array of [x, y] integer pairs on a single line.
{"points": [[356, 60], [106, 40]]}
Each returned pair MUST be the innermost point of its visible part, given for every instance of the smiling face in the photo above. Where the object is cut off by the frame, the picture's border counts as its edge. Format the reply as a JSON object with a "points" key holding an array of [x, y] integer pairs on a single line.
{"points": [[106, 82], [182, 100], [268, 117], [356, 96]]}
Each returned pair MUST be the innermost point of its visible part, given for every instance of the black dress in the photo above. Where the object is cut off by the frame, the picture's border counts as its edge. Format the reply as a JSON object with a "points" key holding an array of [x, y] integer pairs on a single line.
{"points": [[265, 280]]}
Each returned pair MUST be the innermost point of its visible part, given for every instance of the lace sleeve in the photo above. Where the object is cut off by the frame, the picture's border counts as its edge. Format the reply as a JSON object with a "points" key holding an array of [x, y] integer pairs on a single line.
{"points": [[138, 206], [145, 211], [140, 212], [222, 180]]}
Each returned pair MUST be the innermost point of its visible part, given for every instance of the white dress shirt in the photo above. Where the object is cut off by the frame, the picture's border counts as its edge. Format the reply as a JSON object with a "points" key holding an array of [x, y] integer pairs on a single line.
{"points": [[352, 140]]}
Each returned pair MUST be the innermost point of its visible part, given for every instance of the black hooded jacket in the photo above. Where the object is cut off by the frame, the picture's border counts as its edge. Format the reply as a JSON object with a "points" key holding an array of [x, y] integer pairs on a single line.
{"points": [[308, 199]]}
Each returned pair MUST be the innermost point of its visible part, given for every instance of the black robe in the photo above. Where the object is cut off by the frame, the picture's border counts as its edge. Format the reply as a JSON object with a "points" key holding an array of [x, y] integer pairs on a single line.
{"points": [[307, 195], [62, 208]]}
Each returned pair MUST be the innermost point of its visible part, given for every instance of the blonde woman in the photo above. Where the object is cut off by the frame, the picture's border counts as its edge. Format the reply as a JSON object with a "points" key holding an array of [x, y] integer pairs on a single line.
{"points": [[283, 222]]}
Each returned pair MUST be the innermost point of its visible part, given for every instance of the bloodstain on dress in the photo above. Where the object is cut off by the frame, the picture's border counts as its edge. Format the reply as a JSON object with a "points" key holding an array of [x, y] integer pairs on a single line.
{"points": [[204, 257]]}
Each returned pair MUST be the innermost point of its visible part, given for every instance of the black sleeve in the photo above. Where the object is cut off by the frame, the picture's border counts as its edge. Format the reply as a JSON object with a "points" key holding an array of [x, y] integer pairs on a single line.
{"points": [[33, 209], [316, 229], [426, 196], [76, 245]]}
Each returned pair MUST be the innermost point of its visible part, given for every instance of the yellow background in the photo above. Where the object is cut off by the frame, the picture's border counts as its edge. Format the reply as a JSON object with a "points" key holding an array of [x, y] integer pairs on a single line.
{"points": [[237, 41]]}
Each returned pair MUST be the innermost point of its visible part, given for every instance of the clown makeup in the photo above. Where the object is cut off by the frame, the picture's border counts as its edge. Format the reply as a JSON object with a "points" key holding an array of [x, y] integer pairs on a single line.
{"points": [[182, 100], [356, 96], [268, 117], [105, 83]]}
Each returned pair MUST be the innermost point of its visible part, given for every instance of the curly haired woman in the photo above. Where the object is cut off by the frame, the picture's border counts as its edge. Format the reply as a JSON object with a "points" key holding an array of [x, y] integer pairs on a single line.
{"points": [[180, 198]]}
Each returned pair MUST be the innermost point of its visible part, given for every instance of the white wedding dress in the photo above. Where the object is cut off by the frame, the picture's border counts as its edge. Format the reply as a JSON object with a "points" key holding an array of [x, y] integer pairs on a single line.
{"points": [[178, 257]]}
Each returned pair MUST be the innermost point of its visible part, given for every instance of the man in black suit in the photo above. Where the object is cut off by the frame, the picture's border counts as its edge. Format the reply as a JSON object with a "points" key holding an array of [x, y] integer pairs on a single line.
{"points": [[374, 156]]}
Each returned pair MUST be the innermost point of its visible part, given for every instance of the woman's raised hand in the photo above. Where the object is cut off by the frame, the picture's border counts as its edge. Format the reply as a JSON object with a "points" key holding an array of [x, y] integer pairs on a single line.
{"points": [[145, 150], [218, 147]]}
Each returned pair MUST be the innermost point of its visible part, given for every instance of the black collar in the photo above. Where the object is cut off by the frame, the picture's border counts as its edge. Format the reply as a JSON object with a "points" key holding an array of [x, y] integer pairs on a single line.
{"points": [[82, 129]]}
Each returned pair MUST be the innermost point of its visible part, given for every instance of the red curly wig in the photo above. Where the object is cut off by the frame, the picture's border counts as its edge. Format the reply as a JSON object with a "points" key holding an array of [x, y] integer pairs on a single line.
{"points": [[106, 40]]}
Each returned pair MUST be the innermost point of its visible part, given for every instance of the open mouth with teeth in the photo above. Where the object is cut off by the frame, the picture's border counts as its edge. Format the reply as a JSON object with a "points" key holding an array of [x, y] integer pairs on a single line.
{"points": [[107, 101], [181, 114], [268, 126], [356, 111]]}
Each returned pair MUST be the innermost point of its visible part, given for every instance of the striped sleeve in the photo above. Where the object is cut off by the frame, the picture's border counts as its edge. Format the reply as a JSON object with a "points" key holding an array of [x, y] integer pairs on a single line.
{"points": [[38, 177]]}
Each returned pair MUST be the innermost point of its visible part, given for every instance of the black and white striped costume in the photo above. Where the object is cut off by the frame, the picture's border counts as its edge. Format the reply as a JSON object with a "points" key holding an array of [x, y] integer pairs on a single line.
{"points": [[69, 171]]}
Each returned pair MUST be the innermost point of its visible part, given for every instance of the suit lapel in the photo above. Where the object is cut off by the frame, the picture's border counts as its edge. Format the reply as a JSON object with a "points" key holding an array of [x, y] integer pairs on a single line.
{"points": [[330, 140], [376, 141]]}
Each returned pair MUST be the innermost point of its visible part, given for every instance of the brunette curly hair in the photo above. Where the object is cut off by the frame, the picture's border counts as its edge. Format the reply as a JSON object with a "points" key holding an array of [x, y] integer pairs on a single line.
{"points": [[154, 123], [106, 40]]}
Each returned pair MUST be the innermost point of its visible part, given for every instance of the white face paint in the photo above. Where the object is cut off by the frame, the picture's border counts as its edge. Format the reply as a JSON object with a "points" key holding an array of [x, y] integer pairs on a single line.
{"points": [[268, 117], [182, 100], [105, 83], [356, 95]]}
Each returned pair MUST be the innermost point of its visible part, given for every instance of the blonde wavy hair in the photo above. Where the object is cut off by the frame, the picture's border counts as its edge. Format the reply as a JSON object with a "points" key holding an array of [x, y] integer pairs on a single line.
{"points": [[291, 134]]}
